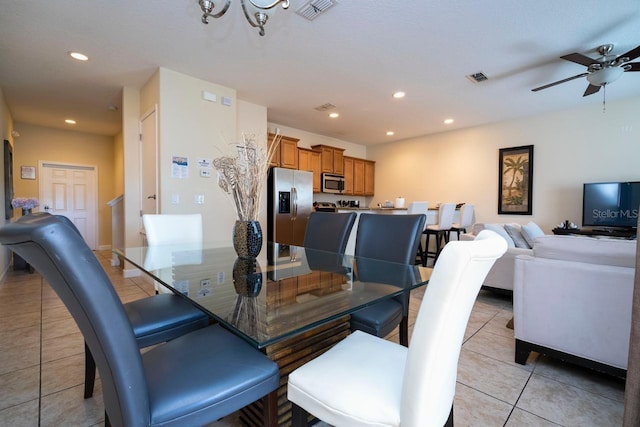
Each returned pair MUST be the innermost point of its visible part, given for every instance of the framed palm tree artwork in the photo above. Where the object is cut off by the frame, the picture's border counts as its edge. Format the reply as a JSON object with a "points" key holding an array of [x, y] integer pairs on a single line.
{"points": [[515, 187]]}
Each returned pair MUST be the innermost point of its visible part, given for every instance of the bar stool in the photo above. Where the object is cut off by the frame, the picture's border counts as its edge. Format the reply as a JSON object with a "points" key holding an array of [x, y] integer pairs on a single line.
{"points": [[440, 231], [466, 219], [416, 208]]}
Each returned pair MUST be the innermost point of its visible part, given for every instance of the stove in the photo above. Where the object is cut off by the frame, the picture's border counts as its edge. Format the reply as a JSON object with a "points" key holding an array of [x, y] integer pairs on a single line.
{"points": [[325, 207]]}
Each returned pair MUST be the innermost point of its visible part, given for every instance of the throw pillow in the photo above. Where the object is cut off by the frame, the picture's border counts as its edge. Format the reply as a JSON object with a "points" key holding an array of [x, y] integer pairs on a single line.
{"points": [[499, 228], [514, 231], [530, 232]]}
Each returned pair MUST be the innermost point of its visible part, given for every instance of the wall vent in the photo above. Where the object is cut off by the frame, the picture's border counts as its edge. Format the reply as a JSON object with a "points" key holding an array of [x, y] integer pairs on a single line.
{"points": [[477, 77], [325, 107], [314, 8]]}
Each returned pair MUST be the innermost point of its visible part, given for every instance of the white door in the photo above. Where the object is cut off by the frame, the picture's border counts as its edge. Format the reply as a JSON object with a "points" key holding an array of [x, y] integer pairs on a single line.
{"points": [[72, 191], [148, 164]]}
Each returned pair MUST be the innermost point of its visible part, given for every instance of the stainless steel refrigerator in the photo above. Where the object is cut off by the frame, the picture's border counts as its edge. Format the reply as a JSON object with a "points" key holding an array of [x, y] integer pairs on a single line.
{"points": [[290, 202]]}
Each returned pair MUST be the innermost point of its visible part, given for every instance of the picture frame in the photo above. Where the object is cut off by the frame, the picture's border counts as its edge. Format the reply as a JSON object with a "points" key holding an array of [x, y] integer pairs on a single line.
{"points": [[28, 172], [515, 180]]}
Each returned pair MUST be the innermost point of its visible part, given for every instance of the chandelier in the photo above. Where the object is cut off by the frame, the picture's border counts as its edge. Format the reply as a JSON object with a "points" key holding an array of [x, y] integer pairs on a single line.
{"points": [[258, 9]]}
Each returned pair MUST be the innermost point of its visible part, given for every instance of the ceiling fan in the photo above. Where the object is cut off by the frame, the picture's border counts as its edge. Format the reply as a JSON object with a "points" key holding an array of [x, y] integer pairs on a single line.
{"points": [[601, 71]]}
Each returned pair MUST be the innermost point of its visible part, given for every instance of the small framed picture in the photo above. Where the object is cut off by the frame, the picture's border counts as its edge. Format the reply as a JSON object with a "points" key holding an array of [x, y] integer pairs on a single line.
{"points": [[28, 172]]}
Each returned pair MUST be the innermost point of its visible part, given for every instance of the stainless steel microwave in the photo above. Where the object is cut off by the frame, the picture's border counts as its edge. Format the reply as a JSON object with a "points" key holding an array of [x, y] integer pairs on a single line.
{"points": [[332, 183]]}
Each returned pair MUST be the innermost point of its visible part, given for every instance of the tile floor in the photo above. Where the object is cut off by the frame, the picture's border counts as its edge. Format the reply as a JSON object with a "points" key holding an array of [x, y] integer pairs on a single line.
{"points": [[42, 367]]}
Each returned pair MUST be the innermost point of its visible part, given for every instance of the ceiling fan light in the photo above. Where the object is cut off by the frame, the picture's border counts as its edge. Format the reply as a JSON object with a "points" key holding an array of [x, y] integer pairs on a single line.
{"points": [[605, 76]]}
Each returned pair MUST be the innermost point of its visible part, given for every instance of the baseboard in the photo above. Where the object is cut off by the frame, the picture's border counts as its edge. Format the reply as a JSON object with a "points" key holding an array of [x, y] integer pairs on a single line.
{"points": [[131, 272]]}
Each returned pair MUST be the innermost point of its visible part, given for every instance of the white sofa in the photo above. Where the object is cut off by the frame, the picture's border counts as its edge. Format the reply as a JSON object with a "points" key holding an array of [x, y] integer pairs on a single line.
{"points": [[572, 299], [500, 276]]}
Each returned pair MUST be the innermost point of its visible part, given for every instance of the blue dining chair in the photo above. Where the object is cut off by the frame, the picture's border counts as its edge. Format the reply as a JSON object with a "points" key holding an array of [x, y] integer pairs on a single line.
{"points": [[328, 231], [194, 379], [393, 238], [154, 320]]}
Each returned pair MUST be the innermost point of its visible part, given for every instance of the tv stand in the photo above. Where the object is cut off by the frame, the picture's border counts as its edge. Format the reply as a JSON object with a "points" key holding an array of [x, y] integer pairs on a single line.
{"points": [[621, 233]]}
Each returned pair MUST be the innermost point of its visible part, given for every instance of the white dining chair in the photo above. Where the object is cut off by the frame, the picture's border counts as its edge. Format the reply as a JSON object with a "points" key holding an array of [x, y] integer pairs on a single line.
{"points": [[369, 381], [465, 220], [172, 229]]}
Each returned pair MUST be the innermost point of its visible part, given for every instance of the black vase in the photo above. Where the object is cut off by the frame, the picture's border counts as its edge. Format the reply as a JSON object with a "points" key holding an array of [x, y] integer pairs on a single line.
{"points": [[26, 211], [247, 277], [247, 238]]}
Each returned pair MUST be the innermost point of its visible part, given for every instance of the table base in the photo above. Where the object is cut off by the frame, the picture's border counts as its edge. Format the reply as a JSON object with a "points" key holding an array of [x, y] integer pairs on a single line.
{"points": [[291, 354]]}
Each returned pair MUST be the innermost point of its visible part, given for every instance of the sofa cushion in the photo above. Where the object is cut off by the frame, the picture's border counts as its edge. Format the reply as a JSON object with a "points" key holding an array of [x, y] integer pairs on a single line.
{"points": [[591, 250], [530, 232], [499, 228], [515, 232]]}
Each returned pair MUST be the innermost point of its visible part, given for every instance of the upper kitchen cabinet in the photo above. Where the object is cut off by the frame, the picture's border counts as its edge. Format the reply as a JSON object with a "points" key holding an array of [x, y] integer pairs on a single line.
{"points": [[332, 159], [286, 154], [369, 177], [359, 176], [310, 160], [348, 175]]}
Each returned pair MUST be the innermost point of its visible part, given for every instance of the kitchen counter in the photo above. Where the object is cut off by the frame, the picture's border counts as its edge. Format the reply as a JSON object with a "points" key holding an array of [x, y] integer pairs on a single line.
{"points": [[432, 218], [370, 209]]}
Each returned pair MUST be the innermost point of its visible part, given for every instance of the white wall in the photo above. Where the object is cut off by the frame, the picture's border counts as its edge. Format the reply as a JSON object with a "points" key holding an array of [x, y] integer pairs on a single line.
{"points": [[570, 148]]}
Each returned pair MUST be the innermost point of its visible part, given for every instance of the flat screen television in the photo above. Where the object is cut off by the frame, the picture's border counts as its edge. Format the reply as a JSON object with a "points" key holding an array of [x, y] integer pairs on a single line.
{"points": [[611, 204]]}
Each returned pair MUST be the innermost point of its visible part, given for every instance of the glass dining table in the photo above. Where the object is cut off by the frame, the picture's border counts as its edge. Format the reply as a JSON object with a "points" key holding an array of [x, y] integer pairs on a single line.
{"points": [[292, 302]]}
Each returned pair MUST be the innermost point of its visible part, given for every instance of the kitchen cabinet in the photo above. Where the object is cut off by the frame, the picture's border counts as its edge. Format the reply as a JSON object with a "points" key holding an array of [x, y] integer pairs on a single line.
{"points": [[332, 159], [369, 177], [286, 154], [358, 177], [348, 175], [310, 160]]}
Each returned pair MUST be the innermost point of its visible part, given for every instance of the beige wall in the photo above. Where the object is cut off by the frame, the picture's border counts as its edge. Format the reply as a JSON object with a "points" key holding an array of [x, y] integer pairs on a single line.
{"points": [[197, 129], [38, 143], [570, 148], [130, 139]]}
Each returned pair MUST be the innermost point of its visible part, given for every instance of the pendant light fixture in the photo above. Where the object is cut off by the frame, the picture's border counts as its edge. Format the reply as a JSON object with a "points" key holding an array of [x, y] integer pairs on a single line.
{"points": [[256, 11]]}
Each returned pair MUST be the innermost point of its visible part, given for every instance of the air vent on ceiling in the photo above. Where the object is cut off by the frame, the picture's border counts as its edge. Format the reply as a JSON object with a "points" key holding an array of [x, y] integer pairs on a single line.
{"points": [[314, 8], [477, 77], [325, 107]]}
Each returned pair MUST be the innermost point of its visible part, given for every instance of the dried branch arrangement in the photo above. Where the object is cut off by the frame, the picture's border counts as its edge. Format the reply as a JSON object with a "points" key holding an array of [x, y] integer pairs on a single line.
{"points": [[244, 176]]}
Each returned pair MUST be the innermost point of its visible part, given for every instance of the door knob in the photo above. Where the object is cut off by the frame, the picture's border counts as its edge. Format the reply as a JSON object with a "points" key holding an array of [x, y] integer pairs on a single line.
{"points": [[153, 196]]}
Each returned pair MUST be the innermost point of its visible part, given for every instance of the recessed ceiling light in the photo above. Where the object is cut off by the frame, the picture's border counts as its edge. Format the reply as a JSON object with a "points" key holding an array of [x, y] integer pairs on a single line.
{"points": [[448, 121], [79, 56], [334, 115], [390, 133], [70, 121], [399, 94]]}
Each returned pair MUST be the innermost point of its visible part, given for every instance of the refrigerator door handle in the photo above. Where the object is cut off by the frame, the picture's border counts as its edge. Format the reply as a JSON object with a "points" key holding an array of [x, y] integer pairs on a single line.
{"points": [[294, 203]]}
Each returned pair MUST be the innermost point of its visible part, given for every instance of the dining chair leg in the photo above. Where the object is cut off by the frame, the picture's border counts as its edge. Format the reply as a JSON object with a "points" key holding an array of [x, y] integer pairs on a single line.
{"points": [[299, 417], [270, 405], [404, 331], [89, 372], [426, 251], [449, 422]]}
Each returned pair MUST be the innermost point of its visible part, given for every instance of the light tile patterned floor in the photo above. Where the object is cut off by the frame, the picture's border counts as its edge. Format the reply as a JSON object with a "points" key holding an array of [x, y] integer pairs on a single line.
{"points": [[42, 367]]}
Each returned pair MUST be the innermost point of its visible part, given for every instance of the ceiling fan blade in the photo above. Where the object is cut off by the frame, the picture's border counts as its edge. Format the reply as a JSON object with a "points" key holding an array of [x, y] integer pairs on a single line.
{"points": [[635, 66], [559, 81], [581, 59], [632, 54], [591, 89]]}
